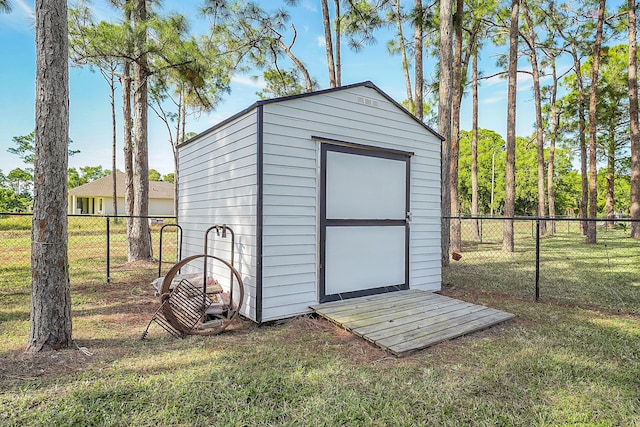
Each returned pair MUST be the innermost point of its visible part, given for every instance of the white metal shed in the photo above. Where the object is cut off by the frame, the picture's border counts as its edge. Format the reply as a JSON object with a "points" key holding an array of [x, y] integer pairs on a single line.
{"points": [[332, 195]]}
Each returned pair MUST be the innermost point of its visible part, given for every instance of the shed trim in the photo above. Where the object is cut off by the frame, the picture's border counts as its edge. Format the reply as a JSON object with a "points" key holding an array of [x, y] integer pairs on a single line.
{"points": [[259, 209], [341, 143], [371, 151]]}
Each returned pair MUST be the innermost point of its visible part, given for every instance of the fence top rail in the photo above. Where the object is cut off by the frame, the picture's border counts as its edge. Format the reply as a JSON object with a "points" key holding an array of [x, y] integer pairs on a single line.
{"points": [[93, 215], [482, 217], [537, 218]]}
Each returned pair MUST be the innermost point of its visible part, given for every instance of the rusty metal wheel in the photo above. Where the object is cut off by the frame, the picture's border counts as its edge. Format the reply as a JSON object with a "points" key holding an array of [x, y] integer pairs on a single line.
{"points": [[229, 313]]}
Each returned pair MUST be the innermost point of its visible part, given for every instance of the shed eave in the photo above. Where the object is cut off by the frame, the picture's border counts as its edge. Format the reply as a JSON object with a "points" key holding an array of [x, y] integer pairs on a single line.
{"points": [[367, 84]]}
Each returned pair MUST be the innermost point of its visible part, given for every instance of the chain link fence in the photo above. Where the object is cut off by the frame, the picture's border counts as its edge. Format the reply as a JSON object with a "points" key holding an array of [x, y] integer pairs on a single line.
{"points": [[97, 249], [551, 261], [551, 266]]}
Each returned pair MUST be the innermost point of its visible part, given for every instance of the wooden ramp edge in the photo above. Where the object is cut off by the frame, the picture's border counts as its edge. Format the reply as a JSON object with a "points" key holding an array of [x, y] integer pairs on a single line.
{"points": [[405, 321]]}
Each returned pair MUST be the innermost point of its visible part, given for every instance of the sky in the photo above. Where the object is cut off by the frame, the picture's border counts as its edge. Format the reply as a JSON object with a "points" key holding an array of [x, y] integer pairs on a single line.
{"points": [[90, 114]]}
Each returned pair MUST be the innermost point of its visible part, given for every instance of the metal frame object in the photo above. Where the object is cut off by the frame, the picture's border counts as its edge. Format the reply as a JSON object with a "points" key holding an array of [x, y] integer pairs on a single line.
{"points": [[224, 229], [230, 311], [185, 312], [181, 309], [160, 250]]}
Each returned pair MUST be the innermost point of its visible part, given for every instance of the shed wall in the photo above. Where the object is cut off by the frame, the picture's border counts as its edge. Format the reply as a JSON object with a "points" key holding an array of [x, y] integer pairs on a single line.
{"points": [[291, 189], [218, 185]]}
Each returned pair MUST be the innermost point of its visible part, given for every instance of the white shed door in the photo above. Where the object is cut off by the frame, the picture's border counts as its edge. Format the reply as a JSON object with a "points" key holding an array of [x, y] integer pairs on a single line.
{"points": [[364, 230]]}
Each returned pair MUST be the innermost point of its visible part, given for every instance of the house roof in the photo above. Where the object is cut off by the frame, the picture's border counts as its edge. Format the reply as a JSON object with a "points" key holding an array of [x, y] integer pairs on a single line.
{"points": [[367, 84], [103, 187]]}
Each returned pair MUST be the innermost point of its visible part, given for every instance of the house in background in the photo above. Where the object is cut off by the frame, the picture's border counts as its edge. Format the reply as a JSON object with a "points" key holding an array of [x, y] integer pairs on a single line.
{"points": [[96, 197]]}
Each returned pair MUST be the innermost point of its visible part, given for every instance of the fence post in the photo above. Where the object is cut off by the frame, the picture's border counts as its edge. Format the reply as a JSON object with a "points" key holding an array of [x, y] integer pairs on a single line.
{"points": [[537, 260], [108, 252]]}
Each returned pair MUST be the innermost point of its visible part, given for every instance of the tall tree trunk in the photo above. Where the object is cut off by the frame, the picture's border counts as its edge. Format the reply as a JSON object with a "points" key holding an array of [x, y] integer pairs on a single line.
{"points": [[114, 145], [456, 228], [510, 172], [127, 149], [141, 245], [444, 118], [611, 170], [475, 229], [593, 100], [418, 64], [328, 42], [584, 174], [552, 148], [537, 96], [50, 291], [127, 136], [403, 52], [179, 139], [338, 45], [584, 181], [634, 129]]}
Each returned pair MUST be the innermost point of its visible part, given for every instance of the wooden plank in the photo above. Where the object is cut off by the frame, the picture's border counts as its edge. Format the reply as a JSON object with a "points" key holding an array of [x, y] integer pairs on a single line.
{"points": [[409, 320], [332, 308], [419, 323], [382, 308], [467, 328], [447, 328], [398, 317], [421, 326], [389, 296]]}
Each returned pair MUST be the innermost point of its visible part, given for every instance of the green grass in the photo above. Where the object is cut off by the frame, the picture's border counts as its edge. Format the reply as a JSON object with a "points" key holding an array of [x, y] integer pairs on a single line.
{"points": [[605, 275], [15, 222], [550, 366], [560, 362], [87, 249]]}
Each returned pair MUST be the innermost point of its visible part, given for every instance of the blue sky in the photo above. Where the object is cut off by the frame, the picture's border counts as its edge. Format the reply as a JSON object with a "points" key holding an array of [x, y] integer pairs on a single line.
{"points": [[90, 119]]}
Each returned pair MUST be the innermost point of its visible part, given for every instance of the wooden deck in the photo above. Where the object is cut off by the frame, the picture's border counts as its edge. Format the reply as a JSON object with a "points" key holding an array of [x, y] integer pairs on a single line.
{"points": [[410, 320]]}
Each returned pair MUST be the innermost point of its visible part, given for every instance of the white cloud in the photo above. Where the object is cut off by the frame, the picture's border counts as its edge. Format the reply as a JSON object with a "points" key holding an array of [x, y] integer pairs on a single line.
{"points": [[215, 118], [22, 19], [321, 41], [498, 94], [25, 8], [493, 80], [525, 79], [493, 99], [309, 6], [248, 81]]}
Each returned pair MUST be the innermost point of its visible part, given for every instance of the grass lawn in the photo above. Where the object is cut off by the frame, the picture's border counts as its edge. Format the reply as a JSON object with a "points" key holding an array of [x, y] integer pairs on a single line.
{"points": [[557, 363], [87, 249], [601, 276]]}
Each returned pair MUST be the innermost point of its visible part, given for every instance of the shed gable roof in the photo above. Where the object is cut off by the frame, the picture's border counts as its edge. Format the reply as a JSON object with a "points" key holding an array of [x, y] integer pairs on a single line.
{"points": [[103, 187], [366, 84]]}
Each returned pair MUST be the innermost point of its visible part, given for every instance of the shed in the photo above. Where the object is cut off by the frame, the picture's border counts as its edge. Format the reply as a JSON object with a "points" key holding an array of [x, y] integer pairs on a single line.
{"points": [[96, 197], [332, 195]]}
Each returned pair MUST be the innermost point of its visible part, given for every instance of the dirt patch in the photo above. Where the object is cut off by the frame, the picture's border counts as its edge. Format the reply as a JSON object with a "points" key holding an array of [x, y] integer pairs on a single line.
{"points": [[112, 317], [354, 349], [21, 366]]}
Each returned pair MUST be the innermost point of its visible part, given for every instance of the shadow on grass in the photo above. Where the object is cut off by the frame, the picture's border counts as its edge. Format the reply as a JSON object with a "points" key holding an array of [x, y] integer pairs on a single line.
{"points": [[550, 366]]}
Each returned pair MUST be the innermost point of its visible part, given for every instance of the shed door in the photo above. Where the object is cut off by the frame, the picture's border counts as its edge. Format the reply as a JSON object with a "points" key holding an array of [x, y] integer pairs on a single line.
{"points": [[364, 242]]}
